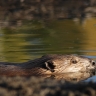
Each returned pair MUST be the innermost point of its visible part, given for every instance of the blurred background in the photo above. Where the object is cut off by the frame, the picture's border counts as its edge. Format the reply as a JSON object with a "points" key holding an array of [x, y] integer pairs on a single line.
{"points": [[32, 28]]}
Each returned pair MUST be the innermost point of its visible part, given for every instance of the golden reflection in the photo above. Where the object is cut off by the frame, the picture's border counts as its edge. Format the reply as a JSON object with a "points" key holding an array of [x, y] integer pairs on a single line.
{"points": [[15, 47], [71, 77], [12, 48], [90, 36], [55, 37]]}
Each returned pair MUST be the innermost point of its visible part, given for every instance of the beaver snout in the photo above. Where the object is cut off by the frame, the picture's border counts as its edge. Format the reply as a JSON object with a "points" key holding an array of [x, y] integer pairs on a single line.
{"points": [[93, 63], [92, 67], [93, 70]]}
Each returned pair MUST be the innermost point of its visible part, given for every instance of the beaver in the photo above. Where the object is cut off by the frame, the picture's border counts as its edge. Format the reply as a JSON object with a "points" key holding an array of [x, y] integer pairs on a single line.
{"points": [[48, 64]]}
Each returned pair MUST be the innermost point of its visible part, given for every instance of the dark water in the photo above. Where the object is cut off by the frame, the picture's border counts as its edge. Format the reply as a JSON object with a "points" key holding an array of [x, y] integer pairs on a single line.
{"points": [[34, 39]]}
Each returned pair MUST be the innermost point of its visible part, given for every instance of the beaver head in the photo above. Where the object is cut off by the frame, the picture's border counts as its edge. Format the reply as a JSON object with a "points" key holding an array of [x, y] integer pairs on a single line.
{"points": [[70, 63], [50, 64]]}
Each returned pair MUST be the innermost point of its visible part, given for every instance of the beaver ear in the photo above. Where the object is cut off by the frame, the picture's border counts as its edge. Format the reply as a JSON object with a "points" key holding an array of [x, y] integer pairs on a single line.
{"points": [[50, 65]]}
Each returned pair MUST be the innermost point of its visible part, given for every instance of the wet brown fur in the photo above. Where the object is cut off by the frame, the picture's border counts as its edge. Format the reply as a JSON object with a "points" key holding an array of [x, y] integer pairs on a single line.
{"points": [[41, 66]]}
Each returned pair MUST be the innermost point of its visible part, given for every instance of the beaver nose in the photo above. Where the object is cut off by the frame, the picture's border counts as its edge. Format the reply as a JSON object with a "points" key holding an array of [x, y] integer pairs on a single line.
{"points": [[93, 63]]}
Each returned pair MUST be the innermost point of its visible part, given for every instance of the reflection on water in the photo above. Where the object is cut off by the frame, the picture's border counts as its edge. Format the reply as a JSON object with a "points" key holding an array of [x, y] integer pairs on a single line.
{"points": [[59, 37], [93, 79], [72, 77], [56, 37]]}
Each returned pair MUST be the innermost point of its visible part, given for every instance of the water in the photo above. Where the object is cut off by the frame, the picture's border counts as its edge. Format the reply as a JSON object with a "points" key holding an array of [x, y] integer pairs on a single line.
{"points": [[34, 39]]}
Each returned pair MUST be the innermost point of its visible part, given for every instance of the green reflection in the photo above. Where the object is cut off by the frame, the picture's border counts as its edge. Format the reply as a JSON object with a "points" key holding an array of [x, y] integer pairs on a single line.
{"points": [[89, 42], [34, 39], [65, 37]]}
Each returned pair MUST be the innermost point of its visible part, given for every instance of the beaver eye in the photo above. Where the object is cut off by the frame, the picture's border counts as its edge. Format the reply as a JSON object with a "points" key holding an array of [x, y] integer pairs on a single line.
{"points": [[74, 61]]}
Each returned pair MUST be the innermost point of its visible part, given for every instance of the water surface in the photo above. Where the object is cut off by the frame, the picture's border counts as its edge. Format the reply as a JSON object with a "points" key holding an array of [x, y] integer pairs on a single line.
{"points": [[34, 39]]}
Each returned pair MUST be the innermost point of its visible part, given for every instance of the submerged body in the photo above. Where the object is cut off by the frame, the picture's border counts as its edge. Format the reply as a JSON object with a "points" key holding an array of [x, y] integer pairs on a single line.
{"points": [[48, 65]]}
